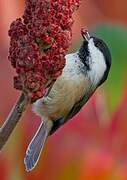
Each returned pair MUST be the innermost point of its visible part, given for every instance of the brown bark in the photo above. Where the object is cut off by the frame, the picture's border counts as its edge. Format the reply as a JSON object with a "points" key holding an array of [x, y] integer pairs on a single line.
{"points": [[13, 118]]}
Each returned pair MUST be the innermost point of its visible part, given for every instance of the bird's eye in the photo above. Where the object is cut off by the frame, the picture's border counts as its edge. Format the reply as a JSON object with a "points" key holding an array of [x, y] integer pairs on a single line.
{"points": [[98, 43]]}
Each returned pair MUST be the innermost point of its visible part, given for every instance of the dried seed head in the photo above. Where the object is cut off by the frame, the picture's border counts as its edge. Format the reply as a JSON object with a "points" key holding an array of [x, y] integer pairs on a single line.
{"points": [[39, 42]]}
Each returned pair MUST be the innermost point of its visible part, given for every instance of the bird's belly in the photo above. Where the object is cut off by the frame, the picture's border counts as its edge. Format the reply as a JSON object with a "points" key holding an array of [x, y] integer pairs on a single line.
{"points": [[62, 97]]}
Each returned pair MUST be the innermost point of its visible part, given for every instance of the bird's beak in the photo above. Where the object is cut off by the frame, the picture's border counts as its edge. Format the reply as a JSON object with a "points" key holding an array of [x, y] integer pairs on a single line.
{"points": [[85, 34]]}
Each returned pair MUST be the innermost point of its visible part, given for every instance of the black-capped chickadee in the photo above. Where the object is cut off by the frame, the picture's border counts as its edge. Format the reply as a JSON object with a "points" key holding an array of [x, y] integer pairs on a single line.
{"points": [[84, 71]]}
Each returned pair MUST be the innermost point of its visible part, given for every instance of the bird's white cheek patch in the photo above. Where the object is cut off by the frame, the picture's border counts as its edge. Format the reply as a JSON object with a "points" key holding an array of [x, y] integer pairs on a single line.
{"points": [[97, 61]]}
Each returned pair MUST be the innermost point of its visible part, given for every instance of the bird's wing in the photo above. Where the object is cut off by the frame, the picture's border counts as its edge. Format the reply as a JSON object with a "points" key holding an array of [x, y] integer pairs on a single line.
{"points": [[75, 109]]}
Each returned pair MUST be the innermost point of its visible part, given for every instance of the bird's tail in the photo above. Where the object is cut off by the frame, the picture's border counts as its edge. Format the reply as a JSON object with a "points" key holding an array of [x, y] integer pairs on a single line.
{"points": [[36, 145]]}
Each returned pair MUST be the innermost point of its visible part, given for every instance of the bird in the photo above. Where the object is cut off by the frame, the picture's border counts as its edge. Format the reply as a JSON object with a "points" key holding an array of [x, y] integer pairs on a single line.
{"points": [[85, 70]]}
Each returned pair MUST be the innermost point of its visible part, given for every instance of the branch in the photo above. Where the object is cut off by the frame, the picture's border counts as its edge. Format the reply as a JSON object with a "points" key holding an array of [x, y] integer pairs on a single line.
{"points": [[13, 119]]}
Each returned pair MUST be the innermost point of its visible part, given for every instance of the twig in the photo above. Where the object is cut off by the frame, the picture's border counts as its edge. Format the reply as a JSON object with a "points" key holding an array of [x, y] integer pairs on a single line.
{"points": [[13, 119]]}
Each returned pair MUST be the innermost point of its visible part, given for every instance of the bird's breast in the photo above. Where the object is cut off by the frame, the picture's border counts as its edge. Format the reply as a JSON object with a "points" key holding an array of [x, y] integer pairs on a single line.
{"points": [[68, 89]]}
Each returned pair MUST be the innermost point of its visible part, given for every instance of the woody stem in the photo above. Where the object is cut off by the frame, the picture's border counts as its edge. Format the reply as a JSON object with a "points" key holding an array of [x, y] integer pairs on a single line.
{"points": [[13, 118]]}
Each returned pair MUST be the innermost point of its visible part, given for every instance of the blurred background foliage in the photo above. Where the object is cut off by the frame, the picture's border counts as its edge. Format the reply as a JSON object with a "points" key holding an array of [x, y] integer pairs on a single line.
{"points": [[93, 145]]}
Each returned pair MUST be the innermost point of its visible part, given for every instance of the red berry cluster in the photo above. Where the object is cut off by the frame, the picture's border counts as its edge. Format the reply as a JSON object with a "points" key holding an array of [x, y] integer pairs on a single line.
{"points": [[39, 42]]}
